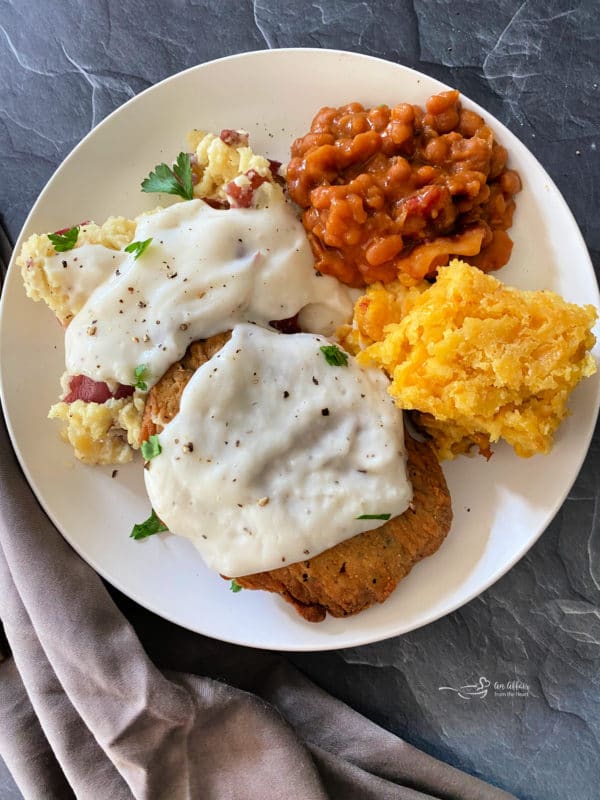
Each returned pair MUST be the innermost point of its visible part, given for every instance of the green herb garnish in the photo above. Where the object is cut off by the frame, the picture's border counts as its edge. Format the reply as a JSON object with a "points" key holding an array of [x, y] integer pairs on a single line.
{"points": [[148, 528], [151, 448], [138, 248], [235, 587], [374, 516], [172, 180], [334, 356], [64, 241], [140, 372]]}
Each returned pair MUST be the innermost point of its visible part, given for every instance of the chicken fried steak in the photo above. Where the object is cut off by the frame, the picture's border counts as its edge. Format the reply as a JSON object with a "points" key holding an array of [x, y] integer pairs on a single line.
{"points": [[358, 572], [162, 403]]}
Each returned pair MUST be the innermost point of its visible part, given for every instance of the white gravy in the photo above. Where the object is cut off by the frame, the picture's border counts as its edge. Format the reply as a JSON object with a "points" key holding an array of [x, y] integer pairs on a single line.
{"points": [[205, 271], [275, 453], [81, 271]]}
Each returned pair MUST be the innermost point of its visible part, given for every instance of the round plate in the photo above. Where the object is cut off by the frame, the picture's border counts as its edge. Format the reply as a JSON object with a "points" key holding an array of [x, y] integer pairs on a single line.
{"points": [[500, 507]]}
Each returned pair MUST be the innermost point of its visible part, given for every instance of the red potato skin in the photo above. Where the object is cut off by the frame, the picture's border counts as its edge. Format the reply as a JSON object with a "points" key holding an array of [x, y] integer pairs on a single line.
{"points": [[83, 388]]}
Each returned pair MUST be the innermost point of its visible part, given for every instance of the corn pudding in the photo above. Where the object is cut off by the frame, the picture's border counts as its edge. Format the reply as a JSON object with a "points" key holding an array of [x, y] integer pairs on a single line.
{"points": [[479, 360]]}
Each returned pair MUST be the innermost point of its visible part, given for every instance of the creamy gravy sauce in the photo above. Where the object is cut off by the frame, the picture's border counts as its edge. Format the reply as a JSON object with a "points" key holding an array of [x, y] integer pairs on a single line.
{"points": [[81, 271], [275, 453], [205, 271]]}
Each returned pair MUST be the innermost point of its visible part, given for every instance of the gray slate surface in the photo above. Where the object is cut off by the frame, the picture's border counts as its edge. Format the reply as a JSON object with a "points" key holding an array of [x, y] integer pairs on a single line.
{"points": [[535, 65]]}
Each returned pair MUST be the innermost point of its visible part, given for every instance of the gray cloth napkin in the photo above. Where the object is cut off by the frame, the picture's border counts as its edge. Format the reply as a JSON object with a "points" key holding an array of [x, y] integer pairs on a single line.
{"points": [[85, 713]]}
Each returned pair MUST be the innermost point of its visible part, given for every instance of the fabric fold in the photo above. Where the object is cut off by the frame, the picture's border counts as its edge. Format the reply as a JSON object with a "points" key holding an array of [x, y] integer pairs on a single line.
{"points": [[23, 744], [44, 741]]}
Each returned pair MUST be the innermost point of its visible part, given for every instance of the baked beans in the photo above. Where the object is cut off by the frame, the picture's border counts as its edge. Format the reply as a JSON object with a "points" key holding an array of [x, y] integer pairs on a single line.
{"points": [[388, 190]]}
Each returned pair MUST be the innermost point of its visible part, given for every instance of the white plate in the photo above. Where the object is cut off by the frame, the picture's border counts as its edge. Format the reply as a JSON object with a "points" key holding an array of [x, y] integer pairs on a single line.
{"points": [[500, 507]]}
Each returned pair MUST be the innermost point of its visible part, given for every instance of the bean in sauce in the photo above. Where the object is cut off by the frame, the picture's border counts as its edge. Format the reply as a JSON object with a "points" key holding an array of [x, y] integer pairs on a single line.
{"points": [[388, 190]]}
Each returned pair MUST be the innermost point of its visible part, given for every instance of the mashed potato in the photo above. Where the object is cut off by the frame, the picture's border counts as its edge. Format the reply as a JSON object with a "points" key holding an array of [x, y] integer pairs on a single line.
{"points": [[52, 286], [479, 360], [101, 433], [107, 433], [218, 163]]}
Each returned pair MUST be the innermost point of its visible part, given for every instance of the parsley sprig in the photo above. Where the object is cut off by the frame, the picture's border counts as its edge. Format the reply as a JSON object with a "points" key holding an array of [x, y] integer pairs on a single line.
{"points": [[151, 448], [139, 248], [374, 516], [334, 356], [141, 372], [148, 528], [172, 180], [64, 241]]}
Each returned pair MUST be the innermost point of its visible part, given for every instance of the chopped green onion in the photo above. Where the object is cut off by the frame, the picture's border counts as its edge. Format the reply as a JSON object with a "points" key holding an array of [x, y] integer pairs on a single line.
{"points": [[140, 372], [148, 528], [334, 356], [138, 247], [151, 448]]}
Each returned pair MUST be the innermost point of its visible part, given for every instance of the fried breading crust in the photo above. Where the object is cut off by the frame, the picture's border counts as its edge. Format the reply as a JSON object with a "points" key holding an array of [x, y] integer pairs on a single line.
{"points": [[358, 572], [162, 403], [366, 569]]}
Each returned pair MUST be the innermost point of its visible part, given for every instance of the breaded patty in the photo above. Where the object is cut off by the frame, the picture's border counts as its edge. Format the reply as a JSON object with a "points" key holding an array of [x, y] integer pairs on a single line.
{"points": [[162, 403], [360, 571]]}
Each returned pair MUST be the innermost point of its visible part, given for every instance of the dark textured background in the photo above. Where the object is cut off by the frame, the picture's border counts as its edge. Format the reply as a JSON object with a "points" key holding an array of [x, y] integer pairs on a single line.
{"points": [[535, 65]]}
